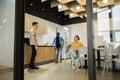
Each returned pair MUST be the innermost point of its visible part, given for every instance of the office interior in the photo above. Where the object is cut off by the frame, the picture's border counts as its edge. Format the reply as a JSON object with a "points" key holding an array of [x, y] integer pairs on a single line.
{"points": [[68, 17]]}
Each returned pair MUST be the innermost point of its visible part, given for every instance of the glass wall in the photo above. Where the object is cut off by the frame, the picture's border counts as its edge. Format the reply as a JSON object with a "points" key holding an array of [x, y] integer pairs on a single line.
{"points": [[7, 16], [106, 27]]}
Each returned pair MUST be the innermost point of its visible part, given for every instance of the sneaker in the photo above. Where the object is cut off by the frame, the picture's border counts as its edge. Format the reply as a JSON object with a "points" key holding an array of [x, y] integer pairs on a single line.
{"points": [[80, 67], [74, 67], [60, 61], [34, 67], [56, 61]]}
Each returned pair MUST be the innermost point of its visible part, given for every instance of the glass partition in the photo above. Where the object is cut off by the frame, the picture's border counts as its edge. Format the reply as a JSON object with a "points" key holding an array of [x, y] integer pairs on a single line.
{"points": [[69, 67], [7, 17], [106, 21]]}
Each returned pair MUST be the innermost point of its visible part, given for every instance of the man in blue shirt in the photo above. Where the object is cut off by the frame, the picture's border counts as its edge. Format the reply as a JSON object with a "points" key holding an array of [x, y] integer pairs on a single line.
{"points": [[58, 42]]}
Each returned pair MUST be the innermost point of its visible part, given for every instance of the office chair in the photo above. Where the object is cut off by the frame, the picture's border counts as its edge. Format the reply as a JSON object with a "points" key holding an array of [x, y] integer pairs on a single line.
{"points": [[108, 57], [82, 51]]}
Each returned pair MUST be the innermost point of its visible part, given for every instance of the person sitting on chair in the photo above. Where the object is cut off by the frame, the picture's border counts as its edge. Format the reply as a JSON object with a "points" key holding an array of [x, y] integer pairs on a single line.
{"points": [[73, 49]]}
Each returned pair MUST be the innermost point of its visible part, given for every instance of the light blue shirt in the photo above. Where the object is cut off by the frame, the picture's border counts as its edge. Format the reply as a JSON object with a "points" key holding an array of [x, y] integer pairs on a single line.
{"points": [[61, 41]]}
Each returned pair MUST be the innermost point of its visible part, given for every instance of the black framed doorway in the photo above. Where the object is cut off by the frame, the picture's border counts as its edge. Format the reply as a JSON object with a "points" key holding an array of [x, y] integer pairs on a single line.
{"points": [[19, 41]]}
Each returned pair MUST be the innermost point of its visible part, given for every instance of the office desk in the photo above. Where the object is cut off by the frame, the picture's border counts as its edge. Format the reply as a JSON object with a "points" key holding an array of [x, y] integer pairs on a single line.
{"points": [[98, 57], [114, 55], [44, 54]]}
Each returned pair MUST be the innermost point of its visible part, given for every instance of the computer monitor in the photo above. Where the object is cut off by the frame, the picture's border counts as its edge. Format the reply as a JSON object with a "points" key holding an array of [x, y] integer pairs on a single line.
{"points": [[26, 41]]}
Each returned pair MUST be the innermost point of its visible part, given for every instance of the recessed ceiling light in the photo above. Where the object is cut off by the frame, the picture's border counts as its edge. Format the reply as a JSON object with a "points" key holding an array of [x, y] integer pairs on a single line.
{"points": [[78, 8], [58, 16], [71, 14], [109, 11], [85, 15], [94, 9], [43, 9], [81, 16], [31, 4], [66, 28], [105, 1], [59, 6]]}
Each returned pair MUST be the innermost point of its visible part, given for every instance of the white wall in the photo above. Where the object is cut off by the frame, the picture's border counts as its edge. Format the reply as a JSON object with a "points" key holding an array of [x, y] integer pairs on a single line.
{"points": [[46, 38], [116, 17], [81, 30], [64, 33], [99, 37], [78, 29], [7, 13], [51, 33]]}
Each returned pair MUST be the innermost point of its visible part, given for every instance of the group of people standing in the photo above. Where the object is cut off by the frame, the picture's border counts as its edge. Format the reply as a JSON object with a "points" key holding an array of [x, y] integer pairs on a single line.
{"points": [[58, 42]]}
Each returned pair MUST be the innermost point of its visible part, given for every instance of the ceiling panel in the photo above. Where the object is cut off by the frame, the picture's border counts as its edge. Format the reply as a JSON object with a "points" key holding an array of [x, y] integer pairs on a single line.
{"points": [[63, 8], [81, 2], [77, 9], [65, 1], [73, 15], [54, 3], [48, 9], [67, 12], [117, 2], [72, 4], [43, 0], [102, 4], [82, 13]]}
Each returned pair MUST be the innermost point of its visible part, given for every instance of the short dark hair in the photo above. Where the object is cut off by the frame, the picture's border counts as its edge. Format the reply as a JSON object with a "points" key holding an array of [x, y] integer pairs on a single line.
{"points": [[34, 23], [77, 37], [58, 33]]}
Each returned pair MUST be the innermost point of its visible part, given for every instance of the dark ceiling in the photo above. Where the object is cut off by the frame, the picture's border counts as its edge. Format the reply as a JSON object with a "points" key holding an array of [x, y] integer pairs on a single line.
{"points": [[43, 10]]}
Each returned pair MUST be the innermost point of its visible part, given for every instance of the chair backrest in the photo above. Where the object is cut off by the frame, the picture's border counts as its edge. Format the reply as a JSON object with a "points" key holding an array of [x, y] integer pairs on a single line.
{"points": [[82, 50], [107, 51]]}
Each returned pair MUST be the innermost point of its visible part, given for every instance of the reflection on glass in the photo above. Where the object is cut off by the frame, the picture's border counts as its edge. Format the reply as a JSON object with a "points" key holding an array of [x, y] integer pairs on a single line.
{"points": [[107, 32], [7, 13], [116, 17], [117, 36], [103, 20]]}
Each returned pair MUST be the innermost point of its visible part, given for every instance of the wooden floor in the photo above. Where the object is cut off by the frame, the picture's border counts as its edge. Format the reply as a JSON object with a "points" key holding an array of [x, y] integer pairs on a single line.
{"points": [[61, 71]]}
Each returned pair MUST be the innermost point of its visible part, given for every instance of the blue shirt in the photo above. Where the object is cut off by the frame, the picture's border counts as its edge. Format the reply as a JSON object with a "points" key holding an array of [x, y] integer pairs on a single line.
{"points": [[61, 41]]}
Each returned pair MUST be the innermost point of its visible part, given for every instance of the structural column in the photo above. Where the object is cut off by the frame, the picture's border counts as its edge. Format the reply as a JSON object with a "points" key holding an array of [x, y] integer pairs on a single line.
{"points": [[19, 41], [91, 55]]}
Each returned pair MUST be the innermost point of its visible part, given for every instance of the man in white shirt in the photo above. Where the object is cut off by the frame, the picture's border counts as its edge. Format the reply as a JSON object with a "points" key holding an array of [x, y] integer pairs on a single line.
{"points": [[33, 43]]}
